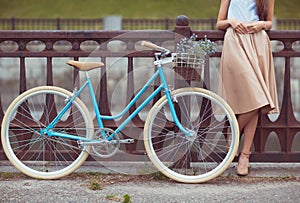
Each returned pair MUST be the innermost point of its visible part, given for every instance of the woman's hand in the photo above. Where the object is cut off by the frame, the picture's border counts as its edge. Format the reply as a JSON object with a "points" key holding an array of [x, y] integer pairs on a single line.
{"points": [[247, 28], [239, 26], [256, 27]]}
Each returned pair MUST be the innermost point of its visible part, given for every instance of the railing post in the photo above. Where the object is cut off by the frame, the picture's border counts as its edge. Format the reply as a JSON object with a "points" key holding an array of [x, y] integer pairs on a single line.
{"points": [[213, 23], [13, 23], [167, 23], [182, 28], [58, 23]]}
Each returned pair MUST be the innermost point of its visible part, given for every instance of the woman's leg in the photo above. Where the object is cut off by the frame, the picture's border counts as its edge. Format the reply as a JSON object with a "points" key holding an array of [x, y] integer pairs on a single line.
{"points": [[247, 123]]}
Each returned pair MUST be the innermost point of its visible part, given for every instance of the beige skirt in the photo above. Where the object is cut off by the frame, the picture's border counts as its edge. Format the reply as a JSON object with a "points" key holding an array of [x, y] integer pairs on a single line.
{"points": [[247, 73]]}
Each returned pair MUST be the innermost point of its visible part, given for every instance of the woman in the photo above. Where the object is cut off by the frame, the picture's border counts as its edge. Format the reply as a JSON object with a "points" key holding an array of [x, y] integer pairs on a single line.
{"points": [[247, 70]]}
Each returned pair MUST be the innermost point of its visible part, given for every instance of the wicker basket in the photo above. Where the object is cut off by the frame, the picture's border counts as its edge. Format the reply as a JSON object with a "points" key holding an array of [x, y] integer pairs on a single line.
{"points": [[189, 66]]}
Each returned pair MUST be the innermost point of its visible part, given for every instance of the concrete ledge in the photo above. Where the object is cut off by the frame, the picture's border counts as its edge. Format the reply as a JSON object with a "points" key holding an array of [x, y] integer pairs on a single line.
{"points": [[142, 168]]}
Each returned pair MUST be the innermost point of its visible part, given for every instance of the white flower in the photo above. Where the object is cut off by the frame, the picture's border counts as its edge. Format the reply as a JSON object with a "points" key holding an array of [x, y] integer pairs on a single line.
{"points": [[191, 46]]}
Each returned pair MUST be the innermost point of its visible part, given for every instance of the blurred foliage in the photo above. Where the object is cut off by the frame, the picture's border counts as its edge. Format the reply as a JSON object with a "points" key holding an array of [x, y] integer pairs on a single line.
{"points": [[127, 8]]}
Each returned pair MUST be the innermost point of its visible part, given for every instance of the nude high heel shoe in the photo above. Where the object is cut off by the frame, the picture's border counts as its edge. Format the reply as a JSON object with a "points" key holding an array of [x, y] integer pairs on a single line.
{"points": [[243, 164]]}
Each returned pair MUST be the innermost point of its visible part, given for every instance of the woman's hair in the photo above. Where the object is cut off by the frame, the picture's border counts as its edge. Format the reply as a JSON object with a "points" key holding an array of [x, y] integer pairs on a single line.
{"points": [[262, 9]]}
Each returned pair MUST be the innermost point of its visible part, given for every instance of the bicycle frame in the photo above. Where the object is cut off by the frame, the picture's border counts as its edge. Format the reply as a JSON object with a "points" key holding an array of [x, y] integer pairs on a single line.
{"points": [[163, 86]]}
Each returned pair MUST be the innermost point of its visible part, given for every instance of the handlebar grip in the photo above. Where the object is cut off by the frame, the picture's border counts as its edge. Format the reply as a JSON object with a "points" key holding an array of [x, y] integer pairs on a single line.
{"points": [[152, 46]]}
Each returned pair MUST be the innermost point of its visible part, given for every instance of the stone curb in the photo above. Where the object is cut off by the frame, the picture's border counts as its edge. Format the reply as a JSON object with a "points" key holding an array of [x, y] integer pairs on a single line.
{"points": [[142, 168]]}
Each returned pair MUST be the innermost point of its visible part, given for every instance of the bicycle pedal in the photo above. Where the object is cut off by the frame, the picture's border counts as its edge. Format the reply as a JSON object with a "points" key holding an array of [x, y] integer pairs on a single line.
{"points": [[127, 141]]}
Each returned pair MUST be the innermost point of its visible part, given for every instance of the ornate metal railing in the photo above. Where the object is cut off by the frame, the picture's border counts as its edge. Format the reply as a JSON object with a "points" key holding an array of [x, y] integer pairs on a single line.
{"points": [[31, 58]]}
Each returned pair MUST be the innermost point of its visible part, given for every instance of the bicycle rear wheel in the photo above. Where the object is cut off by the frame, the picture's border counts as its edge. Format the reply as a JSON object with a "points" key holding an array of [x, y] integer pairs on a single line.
{"points": [[41, 156], [209, 150]]}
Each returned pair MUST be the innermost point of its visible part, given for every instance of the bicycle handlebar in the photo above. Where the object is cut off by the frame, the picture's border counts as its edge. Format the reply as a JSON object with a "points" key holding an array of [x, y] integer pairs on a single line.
{"points": [[153, 46]]}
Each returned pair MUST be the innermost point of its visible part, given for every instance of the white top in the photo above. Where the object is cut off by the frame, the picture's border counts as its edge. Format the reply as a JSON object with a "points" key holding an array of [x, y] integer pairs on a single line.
{"points": [[243, 10]]}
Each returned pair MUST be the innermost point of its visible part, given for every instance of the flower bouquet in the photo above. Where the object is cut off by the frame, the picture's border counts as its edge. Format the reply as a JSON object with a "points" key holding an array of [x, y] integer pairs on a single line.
{"points": [[191, 55]]}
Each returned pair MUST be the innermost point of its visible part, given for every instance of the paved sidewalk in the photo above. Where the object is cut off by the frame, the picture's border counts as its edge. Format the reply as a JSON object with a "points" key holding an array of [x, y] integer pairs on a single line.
{"points": [[77, 191], [267, 182]]}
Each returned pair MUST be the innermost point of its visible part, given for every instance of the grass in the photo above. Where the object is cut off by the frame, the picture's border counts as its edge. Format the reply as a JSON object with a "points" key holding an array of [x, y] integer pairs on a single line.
{"points": [[98, 181], [6, 175], [95, 185], [127, 8]]}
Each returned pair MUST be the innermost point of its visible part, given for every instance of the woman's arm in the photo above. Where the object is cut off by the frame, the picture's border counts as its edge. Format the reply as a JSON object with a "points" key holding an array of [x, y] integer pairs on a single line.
{"points": [[223, 23], [263, 25], [269, 19]]}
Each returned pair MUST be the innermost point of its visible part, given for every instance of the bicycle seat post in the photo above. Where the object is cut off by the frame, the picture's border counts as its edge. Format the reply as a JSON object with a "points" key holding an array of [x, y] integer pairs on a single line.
{"points": [[86, 74]]}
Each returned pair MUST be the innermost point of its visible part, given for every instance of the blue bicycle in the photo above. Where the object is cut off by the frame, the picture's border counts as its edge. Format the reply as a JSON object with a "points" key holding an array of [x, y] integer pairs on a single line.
{"points": [[191, 134]]}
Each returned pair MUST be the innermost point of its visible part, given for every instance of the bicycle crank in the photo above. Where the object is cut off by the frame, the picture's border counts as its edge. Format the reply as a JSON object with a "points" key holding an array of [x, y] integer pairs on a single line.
{"points": [[105, 143]]}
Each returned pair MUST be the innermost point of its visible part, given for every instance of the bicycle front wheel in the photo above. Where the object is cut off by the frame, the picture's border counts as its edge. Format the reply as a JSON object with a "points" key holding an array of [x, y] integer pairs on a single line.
{"points": [[38, 155], [209, 149]]}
